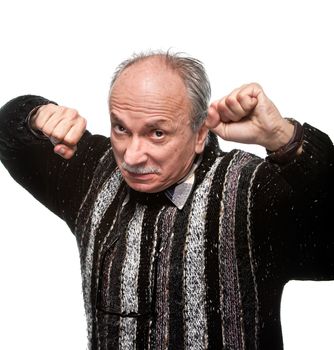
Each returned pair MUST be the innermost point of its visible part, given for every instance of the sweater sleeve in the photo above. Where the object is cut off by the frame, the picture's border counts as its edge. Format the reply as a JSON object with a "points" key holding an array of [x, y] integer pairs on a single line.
{"points": [[57, 183], [292, 211]]}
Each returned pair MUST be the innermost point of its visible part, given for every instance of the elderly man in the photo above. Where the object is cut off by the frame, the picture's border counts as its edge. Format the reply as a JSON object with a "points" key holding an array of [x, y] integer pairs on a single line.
{"points": [[182, 245]]}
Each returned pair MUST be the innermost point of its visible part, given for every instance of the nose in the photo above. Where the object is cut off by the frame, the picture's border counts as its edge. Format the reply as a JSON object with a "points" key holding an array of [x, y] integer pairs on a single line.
{"points": [[135, 153]]}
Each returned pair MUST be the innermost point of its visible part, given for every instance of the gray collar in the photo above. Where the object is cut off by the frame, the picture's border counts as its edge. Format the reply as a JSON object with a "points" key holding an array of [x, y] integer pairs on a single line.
{"points": [[179, 193]]}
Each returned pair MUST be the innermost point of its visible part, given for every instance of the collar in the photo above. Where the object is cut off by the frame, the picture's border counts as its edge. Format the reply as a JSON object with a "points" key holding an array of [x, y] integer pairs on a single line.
{"points": [[179, 193]]}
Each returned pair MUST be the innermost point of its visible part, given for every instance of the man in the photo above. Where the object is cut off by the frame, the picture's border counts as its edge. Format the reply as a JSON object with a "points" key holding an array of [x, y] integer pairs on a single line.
{"points": [[181, 245]]}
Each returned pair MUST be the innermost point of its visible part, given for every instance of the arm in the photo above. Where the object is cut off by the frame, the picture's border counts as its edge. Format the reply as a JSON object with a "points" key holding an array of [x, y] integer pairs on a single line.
{"points": [[311, 179], [292, 200], [58, 183], [292, 214]]}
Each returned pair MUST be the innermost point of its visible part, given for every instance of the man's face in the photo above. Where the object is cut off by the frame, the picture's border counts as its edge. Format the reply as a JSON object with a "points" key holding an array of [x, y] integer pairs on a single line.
{"points": [[151, 135]]}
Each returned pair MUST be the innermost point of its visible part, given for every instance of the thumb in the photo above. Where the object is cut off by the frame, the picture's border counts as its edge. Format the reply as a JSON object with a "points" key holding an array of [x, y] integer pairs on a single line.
{"points": [[65, 151], [221, 130], [213, 118]]}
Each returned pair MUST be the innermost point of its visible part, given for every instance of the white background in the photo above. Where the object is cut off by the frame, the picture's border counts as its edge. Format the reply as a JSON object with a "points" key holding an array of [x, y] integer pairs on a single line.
{"points": [[67, 51]]}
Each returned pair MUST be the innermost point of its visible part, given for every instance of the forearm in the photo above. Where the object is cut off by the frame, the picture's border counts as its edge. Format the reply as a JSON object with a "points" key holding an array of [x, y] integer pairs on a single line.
{"points": [[27, 158], [308, 215]]}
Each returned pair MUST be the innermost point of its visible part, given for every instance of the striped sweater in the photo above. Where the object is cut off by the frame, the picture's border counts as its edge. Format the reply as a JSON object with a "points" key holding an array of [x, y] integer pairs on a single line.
{"points": [[207, 276]]}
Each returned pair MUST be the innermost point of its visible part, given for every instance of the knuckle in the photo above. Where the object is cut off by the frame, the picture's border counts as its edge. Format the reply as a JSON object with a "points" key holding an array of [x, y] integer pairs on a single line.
{"points": [[222, 108], [79, 123], [221, 104], [61, 109], [84, 122], [230, 101], [70, 141], [67, 113], [45, 130], [48, 108], [72, 114], [42, 109], [41, 114], [58, 135], [241, 96], [37, 123]]}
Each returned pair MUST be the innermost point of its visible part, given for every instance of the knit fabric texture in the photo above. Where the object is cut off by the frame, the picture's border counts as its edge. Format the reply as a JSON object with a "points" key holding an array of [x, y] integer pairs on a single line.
{"points": [[208, 276]]}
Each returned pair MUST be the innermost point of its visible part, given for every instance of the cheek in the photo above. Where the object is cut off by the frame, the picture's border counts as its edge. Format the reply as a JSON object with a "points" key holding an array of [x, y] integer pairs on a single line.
{"points": [[178, 157], [181, 151], [117, 150]]}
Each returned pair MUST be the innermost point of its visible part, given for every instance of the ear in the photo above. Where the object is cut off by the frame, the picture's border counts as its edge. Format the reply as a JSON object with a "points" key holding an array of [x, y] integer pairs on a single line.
{"points": [[202, 134]]}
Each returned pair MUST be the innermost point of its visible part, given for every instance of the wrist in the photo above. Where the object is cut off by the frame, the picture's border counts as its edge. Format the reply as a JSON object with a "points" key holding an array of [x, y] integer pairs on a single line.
{"points": [[291, 147], [281, 136]]}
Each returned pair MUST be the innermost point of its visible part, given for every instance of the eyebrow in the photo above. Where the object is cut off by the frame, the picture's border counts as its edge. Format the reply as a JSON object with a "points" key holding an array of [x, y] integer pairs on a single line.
{"points": [[150, 124], [113, 117], [157, 123]]}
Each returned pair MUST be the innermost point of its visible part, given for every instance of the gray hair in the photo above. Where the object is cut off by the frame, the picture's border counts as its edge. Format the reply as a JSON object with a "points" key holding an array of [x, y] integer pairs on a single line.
{"points": [[190, 70]]}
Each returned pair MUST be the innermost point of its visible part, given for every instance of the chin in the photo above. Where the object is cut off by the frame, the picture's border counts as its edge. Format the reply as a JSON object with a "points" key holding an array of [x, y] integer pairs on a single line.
{"points": [[144, 183], [145, 188]]}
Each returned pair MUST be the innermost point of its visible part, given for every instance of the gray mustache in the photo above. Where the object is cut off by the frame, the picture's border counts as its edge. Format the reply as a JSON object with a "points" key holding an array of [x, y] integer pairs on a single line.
{"points": [[139, 169]]}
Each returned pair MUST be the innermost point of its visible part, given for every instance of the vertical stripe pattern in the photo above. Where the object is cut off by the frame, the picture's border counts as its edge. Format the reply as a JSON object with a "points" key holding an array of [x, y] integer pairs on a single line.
{"points": [[244, 255], [194, 268], [230, 303], [251, 259], [161, 338], [146, 278], [129, 281], [213, 292], [104, 197]]}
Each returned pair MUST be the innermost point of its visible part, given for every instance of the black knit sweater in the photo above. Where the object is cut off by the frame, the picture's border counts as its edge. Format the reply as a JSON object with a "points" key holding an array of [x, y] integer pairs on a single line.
{"points": [[209, 276]]}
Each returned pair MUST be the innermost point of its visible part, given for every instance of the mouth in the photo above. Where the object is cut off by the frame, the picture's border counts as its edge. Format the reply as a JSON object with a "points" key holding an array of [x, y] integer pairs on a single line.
{"points": [[139, 176]]}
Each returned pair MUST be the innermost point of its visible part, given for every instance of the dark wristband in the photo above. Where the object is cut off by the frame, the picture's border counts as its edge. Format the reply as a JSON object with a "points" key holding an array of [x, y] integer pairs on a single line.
{"points": [[36, 133], [288, 151]]}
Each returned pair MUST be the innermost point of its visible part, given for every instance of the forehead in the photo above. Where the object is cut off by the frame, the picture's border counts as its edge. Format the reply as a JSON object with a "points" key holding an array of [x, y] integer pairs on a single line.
{"points": [[149, 82]]}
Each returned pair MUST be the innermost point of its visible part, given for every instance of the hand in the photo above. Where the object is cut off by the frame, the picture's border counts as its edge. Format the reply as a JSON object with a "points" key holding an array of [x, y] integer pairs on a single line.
{"points": [[247, 115], [63, 126]]}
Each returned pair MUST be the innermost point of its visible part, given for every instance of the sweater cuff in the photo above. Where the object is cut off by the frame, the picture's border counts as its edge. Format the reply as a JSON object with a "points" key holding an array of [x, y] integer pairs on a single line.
{"points": [[317, 146], [315, 163]]}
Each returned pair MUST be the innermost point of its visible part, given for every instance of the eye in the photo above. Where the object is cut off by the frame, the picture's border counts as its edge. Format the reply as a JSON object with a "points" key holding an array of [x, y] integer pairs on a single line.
{"points": [[158, 134], [119, 129]]}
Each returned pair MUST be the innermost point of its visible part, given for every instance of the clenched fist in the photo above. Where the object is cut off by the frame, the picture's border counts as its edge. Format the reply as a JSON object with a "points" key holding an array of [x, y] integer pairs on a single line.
{"points": [[247, 115], [63, 126]]}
